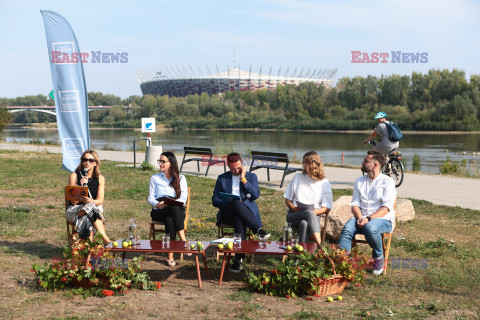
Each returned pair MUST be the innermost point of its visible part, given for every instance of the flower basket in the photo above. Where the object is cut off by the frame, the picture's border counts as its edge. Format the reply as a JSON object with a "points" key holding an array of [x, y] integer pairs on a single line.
{"points": [[334, 285]]}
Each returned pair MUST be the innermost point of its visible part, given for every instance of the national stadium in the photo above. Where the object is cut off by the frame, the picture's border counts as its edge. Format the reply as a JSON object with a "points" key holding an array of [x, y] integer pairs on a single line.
{"points": [[178, 81]]}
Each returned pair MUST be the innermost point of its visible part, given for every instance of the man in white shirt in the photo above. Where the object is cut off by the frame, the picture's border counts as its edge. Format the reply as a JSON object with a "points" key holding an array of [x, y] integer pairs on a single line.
{"points": [[374, 196]]}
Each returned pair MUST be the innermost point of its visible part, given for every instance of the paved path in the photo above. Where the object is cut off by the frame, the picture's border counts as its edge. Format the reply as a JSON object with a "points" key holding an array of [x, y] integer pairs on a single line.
{"points": [[438, 189]]}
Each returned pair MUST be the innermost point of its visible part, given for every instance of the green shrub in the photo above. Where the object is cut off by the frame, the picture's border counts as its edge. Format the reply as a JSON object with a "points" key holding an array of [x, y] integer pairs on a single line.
{"points": [[416, 164], [449, 167]]}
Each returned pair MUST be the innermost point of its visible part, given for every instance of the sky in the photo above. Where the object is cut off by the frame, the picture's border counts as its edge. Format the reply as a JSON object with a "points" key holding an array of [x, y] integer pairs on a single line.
{"points": [[279, 34]]}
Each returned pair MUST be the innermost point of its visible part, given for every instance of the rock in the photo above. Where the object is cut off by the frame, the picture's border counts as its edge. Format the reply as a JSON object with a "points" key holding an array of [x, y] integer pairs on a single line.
{"points": [[338, 216], [341, 212], [405, 211]]}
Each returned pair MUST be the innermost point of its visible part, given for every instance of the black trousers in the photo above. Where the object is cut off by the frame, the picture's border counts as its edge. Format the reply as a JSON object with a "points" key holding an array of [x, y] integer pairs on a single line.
{"points": [[174, 218], [236, 213]]}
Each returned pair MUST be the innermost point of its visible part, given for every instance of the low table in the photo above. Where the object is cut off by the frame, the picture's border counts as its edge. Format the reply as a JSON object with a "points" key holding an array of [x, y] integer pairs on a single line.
{"points": [[173, 247], [254, 247]]}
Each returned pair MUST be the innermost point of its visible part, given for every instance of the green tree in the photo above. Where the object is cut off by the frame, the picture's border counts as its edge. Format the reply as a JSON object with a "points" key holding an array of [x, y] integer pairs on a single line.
{"points": [[5, 117]]}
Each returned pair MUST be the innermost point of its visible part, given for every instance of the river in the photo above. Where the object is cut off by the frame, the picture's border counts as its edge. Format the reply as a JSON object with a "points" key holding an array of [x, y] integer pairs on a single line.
{"points": [[432, 149]]}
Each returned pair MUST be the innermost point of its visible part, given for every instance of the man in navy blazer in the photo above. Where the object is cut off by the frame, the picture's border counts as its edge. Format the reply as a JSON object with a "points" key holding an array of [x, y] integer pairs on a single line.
{"points": [[243, 213]]}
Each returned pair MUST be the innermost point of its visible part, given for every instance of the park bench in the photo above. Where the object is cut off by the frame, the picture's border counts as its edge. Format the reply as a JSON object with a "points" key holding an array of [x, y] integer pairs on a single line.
{"points": [[272, 160], [206, 157]]}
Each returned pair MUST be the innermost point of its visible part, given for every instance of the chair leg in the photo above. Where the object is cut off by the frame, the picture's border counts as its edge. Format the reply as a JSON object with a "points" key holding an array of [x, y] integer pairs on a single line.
{"points": [[152, 232], [386, 250]]}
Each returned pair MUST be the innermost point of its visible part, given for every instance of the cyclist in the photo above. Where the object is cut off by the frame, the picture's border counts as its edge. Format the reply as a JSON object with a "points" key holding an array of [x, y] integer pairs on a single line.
{"points": [[385, 145]]}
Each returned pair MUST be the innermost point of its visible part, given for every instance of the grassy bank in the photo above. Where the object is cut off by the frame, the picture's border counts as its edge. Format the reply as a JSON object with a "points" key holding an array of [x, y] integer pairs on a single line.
{"points": [[32, 230]]}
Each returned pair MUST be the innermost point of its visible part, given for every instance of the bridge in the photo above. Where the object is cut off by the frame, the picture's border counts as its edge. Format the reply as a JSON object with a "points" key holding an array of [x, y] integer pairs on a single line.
{"points": [[51, 109]]}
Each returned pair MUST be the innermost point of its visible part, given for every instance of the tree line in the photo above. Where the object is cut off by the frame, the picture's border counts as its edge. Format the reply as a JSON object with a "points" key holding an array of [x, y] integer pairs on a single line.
{"points": [[440, 100]]}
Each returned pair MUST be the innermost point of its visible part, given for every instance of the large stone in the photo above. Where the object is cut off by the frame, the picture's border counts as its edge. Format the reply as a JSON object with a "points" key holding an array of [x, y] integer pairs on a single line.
{"points": [[404, 211], [338, 216], [341, 212]]}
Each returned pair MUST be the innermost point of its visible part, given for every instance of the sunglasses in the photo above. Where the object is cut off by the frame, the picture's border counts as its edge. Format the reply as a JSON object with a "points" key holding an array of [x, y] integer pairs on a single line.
{"points": [[88, 160], [162, 161]]}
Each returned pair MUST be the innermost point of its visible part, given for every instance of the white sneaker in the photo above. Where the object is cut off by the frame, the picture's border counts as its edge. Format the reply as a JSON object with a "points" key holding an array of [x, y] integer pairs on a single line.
{"points": [[377, 272]]}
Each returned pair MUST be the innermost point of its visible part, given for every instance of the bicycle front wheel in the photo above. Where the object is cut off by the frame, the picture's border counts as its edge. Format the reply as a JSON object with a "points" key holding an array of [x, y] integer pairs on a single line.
{"points": [[397, 171]]}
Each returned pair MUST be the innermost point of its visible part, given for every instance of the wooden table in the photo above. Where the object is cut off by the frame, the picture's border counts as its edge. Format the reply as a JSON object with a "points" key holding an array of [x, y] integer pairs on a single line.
{"points": [[254, 247], [173, 247]]}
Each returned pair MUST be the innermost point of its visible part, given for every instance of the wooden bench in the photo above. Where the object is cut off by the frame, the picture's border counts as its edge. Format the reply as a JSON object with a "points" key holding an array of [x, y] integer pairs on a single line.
{"points": [[207, 156], [272, 160]]}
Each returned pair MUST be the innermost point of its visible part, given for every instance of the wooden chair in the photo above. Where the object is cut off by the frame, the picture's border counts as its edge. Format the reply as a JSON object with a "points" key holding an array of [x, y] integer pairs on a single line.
{"points": [[71, 229], [386, 241], [161, 225]]}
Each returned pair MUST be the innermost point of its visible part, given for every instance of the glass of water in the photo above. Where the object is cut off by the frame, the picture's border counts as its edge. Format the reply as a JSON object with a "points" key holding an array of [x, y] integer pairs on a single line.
{"points": [[294, 239], [166, 241], [237, 240]]}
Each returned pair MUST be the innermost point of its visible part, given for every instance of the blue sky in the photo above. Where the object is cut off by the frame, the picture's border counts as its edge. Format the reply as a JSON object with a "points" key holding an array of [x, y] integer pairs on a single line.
{"points": [[295, 34]]}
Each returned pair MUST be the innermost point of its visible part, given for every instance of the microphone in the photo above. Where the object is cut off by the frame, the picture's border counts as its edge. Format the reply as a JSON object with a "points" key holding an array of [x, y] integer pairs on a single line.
{"points": [[85, 172]]}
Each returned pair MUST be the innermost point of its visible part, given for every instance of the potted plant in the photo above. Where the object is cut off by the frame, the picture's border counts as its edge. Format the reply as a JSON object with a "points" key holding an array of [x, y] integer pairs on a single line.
{"points": [[92, 270]]}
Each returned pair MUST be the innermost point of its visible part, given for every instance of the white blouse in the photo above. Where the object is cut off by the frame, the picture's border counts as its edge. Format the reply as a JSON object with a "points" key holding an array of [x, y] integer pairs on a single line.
{"points": [[305, 191]]}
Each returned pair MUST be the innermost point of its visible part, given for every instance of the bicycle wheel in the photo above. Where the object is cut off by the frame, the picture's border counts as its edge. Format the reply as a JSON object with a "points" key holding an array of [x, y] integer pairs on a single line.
{"points": [[397, 171]]}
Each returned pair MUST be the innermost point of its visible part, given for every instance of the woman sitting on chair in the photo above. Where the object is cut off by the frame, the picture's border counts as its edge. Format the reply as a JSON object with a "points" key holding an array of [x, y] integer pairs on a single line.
{"points": [[308, 195], [169, 183], [87, 213]]}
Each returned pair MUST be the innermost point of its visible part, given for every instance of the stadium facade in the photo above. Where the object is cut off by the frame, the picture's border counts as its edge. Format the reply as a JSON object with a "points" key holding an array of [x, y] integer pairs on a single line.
{"points": [[178, 82]]}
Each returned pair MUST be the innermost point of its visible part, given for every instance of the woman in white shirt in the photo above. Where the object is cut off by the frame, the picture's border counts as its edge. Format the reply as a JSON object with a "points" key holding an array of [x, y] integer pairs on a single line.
{"points": [[308, 196], [169, 183]]}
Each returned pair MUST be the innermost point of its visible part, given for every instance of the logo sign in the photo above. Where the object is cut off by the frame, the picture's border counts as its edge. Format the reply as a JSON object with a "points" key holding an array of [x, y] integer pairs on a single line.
{"points": [[148, 124], [62, 49], [52, 95], [72, 148], [69, 101]]}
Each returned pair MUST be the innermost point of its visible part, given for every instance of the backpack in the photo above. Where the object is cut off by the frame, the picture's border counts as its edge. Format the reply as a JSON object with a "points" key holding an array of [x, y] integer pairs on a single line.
{"points": [[394, 133]]}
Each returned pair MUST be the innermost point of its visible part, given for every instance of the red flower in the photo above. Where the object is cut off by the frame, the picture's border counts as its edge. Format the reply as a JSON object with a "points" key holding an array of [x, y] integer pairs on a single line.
{"points": [[158, 284], [310, 298], [31, 270], [287, 296], [128, 285], [264, 282], [107, 293], [64, 279]]}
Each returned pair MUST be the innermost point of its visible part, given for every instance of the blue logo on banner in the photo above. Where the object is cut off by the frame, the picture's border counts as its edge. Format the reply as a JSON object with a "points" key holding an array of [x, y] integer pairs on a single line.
{"points": [[69, 101], [72, 148]]}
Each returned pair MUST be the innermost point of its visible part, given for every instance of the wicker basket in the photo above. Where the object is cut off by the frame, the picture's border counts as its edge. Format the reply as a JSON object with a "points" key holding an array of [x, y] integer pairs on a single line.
{"points": [[333, 285]]}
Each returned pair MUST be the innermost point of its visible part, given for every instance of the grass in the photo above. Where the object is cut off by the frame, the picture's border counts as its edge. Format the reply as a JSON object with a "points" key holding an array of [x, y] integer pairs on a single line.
{"points": [[32, 230]]}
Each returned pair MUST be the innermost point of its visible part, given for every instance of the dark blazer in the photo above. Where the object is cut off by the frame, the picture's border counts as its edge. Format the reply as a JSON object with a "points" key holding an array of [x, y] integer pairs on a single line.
{"points": [[224, 184]]}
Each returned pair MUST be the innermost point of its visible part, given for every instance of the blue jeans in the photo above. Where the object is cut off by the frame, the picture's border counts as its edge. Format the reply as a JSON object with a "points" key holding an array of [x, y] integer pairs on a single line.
{"points": [[373, 234]]}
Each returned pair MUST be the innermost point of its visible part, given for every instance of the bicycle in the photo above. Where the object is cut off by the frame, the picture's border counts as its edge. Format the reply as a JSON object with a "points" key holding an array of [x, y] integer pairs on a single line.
{"points": [[393, 166]]}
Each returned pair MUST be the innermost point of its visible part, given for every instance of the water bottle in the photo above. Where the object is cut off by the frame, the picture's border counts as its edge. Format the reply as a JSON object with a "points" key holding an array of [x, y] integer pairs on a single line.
{"points": [[132, 231], [287, 233]]}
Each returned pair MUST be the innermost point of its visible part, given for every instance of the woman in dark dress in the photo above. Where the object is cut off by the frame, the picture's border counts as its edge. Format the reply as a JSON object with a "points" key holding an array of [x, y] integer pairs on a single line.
{"points": [[88, 212]]}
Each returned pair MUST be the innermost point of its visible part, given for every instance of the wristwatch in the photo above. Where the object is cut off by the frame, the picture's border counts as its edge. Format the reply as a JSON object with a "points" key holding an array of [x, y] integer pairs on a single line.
{"points": [[369, 218]]}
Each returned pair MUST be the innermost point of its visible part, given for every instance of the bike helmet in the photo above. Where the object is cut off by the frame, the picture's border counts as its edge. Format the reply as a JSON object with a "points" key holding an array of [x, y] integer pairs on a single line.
{"points": [[380, 115]]}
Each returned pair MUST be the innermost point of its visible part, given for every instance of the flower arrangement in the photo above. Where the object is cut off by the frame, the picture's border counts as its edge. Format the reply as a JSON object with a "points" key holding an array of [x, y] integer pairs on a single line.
{"points": [[302, 274], [89, 269]]}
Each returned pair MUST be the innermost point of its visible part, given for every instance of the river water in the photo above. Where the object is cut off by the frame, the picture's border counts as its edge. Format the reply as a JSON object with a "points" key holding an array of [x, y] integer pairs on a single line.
{"points": [[432, 149]]}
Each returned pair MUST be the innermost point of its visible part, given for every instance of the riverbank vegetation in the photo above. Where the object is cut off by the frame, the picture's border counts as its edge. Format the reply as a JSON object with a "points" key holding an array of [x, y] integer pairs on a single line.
{"points": [[440, 100], [434, 271]]}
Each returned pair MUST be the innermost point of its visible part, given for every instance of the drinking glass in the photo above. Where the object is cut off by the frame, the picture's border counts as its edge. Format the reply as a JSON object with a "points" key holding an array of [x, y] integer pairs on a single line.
{"points": [[237, 240], [166, 240], [263, 241], [294, 239]]}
